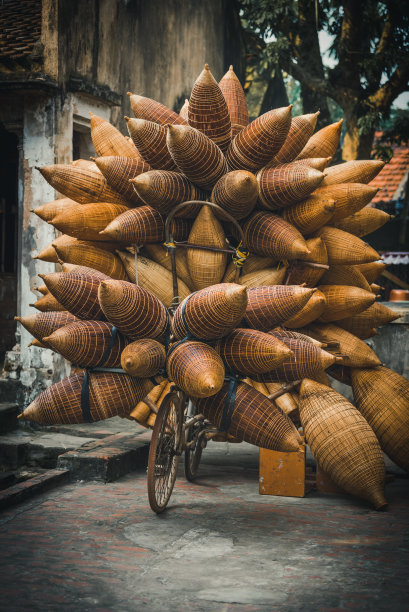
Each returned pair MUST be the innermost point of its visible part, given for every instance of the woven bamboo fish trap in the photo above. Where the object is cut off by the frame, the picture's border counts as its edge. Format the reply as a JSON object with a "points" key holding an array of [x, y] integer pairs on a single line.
{"points": [[85, 221], [236, 192], [382, 397], [363, 323], [266, 276], [323, 143], [371, 270], [38, 344], [210, 313], [77, 293], [208, 111], [142, 410], [143, 358], [198, 157], [41, 289], [249, 351], [206, 267], [349, 198], [345, 275], [184, 110], [118, 171], [86, 343], [146, 108], [87, 164], [363, 222], [301, 130], [45, 323], [83, 186], [164, 190], [271, 305], [270, 236], [253, 263], [236, 101], [310, 214], [196, 368], [260, 141], [93, 257], [50, 254], [286, 402], [48, 211], [160, 254], [150, 138], [290, 333], [306, 361], [299, 272], [344, 248], [48, 303], [144, 225], [153, 277], [318, 163], [375, 288], [255, 419], [354, 352], [109, 395], [344, 301], [354, 171], [136, 312], [107, 140], [67, 267], [313, 309], [286, 184], [342, 442]]}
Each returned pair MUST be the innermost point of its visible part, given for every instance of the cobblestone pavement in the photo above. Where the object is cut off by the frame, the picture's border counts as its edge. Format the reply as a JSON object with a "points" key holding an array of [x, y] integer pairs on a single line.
{"points": [[219, 547]]}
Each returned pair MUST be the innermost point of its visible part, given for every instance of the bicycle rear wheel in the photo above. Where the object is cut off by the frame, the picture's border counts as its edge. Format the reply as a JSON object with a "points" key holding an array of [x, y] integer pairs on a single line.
{"points": [[164, 451]]}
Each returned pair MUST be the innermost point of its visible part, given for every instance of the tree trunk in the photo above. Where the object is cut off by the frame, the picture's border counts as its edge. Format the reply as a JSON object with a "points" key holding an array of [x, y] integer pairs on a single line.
{"points": [[276, 94], [356, 145]]}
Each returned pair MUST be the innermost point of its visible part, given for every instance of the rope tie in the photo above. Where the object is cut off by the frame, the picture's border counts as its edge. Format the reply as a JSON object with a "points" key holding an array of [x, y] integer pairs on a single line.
{"points": [[228, 409], [240, 255]]}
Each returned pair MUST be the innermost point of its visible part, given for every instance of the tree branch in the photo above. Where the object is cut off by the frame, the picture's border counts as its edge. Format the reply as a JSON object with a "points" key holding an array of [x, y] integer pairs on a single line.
{"points": [[382, 99], [314, 83]]}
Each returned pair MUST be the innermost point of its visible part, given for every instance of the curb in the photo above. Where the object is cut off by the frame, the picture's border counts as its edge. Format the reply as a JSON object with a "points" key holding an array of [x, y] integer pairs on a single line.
{"points": [[27, 489]]}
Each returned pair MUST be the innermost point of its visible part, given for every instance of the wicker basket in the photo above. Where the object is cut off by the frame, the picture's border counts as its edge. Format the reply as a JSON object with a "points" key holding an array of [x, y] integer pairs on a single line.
{"points": [[344, 248], [286, 184], [206, 267], [306, 361], [371, 270], [144, 225], [45, 323], [362, 324], [354, 352], [253, 263], [67, 267], [107, 140], [109, 395], [142, 411], [164, 190], [344, 301], [150, 138], [255, 419], [198, 157], [363, 222], [153, 277], [143, 358], [301, 130], [382, 397], [86, 343], [270, 236], [266, 276], [260, 141], [323, 143], [342, 442], [270, 305], [211, 313], [78, 293], [83, 186], [87, 164], [313, 309], [184, 110], [92, 257], [349, 198], [249, 351], [136, 312], [236, 101], [146, 108], [196, 368], [208, 111], [85, 221], [48, 211], [345, 275], [160, 254], [236, 192], [310, 215], [300, 273], [50, 254], [48, 303], [118, 171], [354, 171], [290, 333]]}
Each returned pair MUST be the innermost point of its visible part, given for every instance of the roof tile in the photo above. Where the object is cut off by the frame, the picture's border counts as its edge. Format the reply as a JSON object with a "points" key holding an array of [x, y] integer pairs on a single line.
{"points": [[20, 27]]}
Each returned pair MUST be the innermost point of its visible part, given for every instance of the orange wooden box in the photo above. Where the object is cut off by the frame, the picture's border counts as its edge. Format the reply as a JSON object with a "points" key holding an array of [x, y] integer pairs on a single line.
{"points": [[284, 474]]}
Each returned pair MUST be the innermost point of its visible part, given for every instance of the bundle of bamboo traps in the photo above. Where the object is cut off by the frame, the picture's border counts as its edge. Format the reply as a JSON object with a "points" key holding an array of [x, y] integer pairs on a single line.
{"points": [[205, 249]]}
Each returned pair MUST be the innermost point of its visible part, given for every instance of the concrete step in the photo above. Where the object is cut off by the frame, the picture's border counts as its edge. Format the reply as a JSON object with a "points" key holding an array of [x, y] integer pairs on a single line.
{"points": [[8, 417], [26, 489], [107, 459]]}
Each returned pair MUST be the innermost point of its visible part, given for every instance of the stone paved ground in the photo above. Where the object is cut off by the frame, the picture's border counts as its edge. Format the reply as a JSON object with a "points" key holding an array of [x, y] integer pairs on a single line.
{"points": [[219, 547]]}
